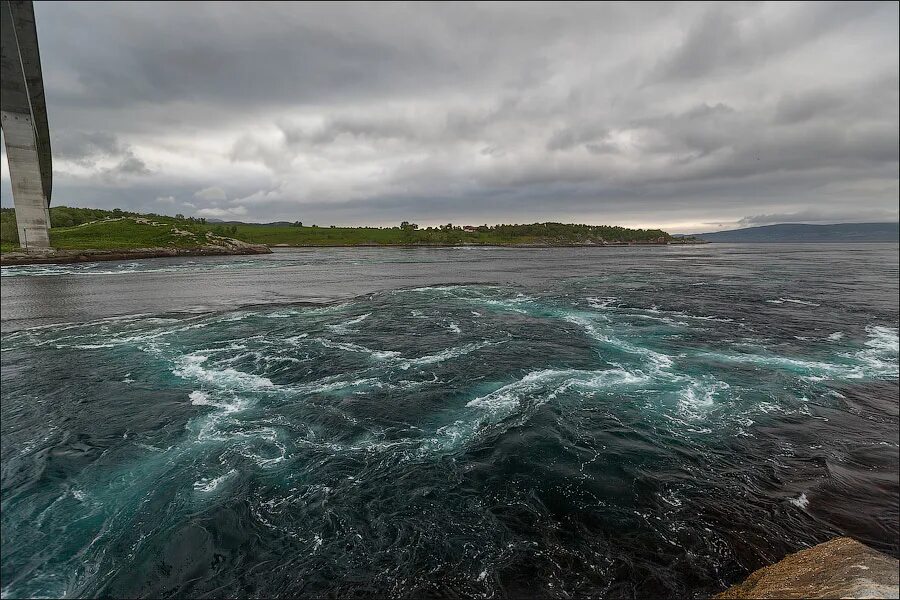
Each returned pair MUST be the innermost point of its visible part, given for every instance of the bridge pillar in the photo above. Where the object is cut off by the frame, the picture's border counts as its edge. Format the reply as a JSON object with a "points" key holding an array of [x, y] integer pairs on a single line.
{"points": [[23, 117]]}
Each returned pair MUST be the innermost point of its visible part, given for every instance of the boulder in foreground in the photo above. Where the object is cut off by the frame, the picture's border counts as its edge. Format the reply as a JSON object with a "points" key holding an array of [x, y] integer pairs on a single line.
{"points": [[840, 568]]}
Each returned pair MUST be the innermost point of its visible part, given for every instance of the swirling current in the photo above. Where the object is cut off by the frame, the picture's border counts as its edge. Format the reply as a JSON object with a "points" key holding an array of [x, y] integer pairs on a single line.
{"points": [[637, 422]]}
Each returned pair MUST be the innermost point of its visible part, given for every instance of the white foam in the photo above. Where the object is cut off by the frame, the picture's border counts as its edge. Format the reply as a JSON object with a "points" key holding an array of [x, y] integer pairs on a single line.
{"points": [[280, 314], [801, 502], [344, 327], [658, 361], [349, 347], [191, 367], [200, 398], [206, 485], [837, 335], [699, 396], [601, 303], [883, 339], [792, 301], [340, 385], [443, 355], [812, 368], [880, 354], [524, 396], [558, 381], [454, 327]]}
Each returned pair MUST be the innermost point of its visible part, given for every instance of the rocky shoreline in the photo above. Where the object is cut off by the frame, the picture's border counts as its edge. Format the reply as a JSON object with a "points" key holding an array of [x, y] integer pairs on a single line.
{"points": [[840, 568], [232, 247], [493, 245], [229, 246]]}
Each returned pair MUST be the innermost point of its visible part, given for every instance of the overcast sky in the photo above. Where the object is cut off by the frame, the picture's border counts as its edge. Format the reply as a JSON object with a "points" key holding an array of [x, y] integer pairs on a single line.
{"points": [[690, 117]]}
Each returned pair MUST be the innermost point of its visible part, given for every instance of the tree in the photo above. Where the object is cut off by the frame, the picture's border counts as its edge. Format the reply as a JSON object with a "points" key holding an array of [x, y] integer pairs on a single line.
{"points": [[407, 226]]}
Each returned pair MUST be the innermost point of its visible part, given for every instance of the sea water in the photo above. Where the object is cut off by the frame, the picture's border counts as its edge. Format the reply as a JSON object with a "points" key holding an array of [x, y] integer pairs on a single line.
{"points": [[484, 422]]}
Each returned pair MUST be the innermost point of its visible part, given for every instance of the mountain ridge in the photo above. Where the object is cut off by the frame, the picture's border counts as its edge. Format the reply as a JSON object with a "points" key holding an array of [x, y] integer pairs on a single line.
{"points": [[808, 233]]}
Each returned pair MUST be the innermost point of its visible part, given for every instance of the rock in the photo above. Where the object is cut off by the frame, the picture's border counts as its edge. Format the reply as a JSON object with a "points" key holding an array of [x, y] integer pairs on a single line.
{"points": [[840, 568], [218, 247]]}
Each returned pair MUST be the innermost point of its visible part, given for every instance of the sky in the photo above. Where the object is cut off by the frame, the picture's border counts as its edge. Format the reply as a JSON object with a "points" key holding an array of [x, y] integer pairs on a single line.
{"points": [[688, 117]]}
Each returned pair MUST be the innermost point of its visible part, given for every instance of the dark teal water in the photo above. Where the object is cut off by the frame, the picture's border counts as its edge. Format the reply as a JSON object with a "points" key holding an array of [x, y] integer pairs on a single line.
{"points": [[630, 422]]}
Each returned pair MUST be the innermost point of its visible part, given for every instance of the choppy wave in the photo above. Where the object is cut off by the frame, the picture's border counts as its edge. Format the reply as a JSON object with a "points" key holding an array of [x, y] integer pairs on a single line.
{"points": [[457, 428]]}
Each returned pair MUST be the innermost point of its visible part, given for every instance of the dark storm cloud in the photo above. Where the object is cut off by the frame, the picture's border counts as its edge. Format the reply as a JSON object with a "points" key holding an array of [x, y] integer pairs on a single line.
{"points": [[667, 114], [725, 39], [83, 146]]}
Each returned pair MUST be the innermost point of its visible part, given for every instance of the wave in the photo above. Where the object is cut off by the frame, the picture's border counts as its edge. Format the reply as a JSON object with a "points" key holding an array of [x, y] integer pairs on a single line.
{"points": [[800, 502], [344, 327], [792, 301], [883, 339], [207, 485], [700, 395], [201, 398], [449, 353], [350, 347], [658, 361], [191, 367], [878, 359], [880, 356], [523, 397]]}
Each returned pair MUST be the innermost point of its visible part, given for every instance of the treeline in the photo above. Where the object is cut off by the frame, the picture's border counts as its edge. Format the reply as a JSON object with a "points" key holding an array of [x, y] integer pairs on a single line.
{"points": [[568, 231], [549, 234]]}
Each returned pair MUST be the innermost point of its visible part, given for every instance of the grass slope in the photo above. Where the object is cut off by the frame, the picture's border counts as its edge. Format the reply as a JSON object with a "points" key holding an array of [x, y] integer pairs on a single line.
{"points": [[94, 229], [124, 233]]}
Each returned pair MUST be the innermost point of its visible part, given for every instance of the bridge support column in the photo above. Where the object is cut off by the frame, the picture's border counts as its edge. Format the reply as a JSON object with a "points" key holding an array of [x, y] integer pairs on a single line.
{"points": [[23, 117], [32, 212]]}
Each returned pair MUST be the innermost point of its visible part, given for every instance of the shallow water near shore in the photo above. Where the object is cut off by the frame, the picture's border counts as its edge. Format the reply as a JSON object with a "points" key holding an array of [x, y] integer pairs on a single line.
{"points": [[480, 422]]}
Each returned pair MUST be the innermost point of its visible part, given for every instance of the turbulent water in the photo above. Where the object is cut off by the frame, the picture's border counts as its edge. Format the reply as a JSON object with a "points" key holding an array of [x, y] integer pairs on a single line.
{"points": [[625, 422]]}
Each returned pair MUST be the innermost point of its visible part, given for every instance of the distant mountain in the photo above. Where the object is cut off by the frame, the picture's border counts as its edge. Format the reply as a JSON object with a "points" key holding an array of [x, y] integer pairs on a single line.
{"points": [[797, 232]]}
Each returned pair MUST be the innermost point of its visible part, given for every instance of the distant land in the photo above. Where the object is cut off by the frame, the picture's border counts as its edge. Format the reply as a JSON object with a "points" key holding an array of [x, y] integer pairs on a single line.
{"points": [[86, 234], [798, 232]]}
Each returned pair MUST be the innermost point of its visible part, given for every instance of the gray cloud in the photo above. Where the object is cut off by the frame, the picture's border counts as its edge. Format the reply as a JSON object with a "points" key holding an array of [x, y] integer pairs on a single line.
{"points": [[667, 115], [85, 147]]}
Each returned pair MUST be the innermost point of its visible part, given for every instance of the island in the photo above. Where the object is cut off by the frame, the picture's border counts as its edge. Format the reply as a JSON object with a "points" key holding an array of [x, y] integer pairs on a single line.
{"points": [[87, 235]]}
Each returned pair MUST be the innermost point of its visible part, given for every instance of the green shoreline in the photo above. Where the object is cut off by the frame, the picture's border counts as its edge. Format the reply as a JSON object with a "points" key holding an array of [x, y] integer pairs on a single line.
{"points": [[82, 234], [68, 256]]}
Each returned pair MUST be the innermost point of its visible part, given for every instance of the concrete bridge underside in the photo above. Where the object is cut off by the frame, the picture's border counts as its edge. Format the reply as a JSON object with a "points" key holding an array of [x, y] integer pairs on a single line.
{"points": [[23, 116]]}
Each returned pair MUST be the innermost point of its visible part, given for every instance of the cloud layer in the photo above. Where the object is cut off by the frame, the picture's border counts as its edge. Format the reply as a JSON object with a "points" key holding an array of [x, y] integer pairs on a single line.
{"points": [[652, 115]]}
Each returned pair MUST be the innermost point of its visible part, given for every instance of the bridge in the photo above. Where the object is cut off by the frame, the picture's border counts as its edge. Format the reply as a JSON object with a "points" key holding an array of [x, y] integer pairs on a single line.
{"points": [[23, 116]]}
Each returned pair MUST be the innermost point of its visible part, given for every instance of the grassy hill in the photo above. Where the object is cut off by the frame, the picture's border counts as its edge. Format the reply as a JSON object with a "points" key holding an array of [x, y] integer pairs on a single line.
{"points": [[80, 228]]}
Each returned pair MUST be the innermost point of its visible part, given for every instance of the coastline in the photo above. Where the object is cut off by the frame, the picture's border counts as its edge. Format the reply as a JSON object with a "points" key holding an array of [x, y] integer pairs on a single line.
{"points": [[471, 245], [67, 256], [88, 255]]}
